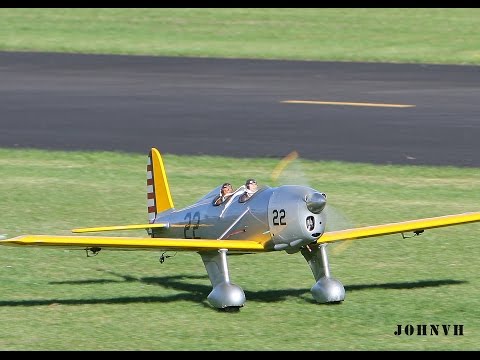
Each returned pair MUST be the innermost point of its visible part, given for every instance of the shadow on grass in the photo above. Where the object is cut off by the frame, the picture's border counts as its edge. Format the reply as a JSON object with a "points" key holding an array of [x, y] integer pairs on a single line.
{"points": [[198, 293], [400, 285], [405, 285]]}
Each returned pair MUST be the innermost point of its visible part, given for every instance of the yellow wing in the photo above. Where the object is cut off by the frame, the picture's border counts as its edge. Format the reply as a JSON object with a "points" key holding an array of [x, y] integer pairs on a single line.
{"points": [[133, 243], [416, 226], [148, 243]]}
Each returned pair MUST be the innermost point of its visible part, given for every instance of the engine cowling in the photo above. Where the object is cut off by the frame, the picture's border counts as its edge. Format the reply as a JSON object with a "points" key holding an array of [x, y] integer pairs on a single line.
{"points": [[296, 217]]}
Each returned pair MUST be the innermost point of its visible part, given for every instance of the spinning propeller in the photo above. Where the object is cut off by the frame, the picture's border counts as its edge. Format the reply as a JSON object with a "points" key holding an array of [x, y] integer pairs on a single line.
{"points": [[290, 171]]}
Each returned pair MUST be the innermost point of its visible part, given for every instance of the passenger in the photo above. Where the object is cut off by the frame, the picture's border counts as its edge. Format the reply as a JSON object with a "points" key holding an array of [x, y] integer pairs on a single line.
{"points": [[225, 192], [251, 185]]}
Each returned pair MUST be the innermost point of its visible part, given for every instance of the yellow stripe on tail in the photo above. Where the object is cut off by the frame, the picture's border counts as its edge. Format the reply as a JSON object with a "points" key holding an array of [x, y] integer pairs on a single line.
{"points": [[158, 192]]}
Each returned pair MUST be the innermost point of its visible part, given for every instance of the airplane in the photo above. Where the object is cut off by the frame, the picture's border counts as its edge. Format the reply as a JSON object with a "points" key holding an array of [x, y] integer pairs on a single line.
{"points": [[289, 218]]}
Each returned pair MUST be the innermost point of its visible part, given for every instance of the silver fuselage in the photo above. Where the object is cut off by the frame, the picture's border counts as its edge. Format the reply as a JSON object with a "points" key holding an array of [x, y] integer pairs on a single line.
{"points": [[276, 216]]}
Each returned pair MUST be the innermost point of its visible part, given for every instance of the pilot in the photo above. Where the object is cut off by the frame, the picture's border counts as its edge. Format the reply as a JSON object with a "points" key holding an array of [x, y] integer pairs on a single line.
{"points": [[251, 185], [225, 192]]}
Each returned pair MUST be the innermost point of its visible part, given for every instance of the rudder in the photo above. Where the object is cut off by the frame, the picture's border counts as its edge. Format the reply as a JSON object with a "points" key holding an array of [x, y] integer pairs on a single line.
{"points": [[159, 198]]}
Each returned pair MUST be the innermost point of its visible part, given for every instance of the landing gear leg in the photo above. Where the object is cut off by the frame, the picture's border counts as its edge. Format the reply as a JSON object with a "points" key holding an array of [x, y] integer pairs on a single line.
{"points": [[326, 288], [225, 295]]}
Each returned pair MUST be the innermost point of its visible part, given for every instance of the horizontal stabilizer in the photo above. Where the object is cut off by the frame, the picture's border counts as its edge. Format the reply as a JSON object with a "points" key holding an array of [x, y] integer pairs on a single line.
{"points": [[119, 227]]}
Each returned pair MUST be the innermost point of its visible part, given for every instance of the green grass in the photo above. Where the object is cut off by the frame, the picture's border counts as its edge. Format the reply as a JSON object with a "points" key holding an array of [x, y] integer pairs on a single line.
{"points": [[54, 299], [428, 35]]}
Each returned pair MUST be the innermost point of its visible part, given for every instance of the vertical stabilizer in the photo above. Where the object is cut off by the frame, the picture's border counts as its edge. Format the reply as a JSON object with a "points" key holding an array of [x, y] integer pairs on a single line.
{"points": [[158, 192]]}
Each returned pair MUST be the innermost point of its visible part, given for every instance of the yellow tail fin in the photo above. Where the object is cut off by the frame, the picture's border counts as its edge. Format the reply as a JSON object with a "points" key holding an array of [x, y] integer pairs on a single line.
{"points": [[159, 198]]}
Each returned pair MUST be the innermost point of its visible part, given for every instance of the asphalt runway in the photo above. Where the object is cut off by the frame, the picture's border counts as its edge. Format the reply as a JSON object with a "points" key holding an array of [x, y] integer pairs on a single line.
{"points": [[409, 114]]}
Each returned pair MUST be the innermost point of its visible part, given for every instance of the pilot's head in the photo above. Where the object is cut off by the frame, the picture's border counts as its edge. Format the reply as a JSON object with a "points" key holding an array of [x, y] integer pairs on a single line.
{"points": [[251, 184], [226, 188]]}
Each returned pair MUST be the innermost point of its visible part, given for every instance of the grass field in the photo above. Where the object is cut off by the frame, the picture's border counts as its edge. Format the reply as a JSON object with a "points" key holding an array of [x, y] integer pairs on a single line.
{"points": [[428, 35], [55, 299], [61, 300]]}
